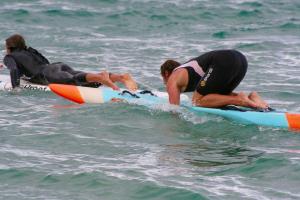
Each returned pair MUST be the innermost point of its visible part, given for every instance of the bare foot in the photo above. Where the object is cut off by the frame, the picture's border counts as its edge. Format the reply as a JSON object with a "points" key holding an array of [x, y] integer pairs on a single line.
{"points": [[105, 80], [245, 101], [258, 100], [129, 83]]}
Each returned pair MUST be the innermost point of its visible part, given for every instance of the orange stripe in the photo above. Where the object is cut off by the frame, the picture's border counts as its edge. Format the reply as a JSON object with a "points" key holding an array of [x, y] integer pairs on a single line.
{"points": [[70, 92], [294, 120]]}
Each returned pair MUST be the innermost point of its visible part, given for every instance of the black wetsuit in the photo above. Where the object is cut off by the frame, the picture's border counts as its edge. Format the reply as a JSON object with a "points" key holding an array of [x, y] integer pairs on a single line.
{"points": [[218, 72], [36, 67]]}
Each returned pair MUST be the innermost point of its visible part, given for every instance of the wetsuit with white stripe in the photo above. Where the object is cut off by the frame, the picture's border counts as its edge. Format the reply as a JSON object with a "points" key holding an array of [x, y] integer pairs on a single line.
{"points": [[218, 72]]}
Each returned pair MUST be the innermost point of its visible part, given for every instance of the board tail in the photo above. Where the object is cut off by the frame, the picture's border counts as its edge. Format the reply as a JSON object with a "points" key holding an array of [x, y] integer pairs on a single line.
{"points": [[70, 92]]}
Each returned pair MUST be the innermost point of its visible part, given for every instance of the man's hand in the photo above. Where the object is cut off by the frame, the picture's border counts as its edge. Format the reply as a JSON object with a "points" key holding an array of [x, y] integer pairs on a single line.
{"points": [[196, 99], [16, 90]]}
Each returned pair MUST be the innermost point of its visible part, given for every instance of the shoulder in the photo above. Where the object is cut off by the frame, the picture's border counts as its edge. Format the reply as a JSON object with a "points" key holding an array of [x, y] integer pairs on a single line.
{"points": [[179, 77], [179, 72], [9, 62], [32, 50], [8, 58]]}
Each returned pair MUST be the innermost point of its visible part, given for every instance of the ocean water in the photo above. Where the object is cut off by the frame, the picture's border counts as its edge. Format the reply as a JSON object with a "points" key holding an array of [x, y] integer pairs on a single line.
{"points": [[54, 149]]}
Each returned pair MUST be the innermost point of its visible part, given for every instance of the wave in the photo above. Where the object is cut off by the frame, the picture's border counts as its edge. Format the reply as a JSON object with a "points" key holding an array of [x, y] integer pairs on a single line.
{"points": [[72, 13]]}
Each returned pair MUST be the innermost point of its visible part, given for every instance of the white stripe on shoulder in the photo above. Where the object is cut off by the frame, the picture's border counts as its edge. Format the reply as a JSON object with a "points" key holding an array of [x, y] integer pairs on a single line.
{"points": [[194, 64]]}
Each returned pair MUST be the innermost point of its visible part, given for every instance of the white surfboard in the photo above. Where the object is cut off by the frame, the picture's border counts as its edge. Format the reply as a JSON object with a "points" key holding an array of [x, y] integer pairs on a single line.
{"points": [[5, 84]]}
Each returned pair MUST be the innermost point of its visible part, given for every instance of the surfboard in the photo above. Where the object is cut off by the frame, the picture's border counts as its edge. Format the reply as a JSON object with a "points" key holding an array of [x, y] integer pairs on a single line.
{"points": [[5, 84], [82, 95], [100, 95]]}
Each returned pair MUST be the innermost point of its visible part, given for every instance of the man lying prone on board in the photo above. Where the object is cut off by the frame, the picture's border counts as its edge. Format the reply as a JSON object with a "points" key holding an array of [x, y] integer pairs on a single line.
{"points": [[27, 61], [212, 77]]}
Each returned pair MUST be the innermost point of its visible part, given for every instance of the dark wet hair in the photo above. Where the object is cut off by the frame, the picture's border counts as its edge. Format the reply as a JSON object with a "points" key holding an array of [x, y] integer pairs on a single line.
{"points": [[15, 42], [168, 66]]}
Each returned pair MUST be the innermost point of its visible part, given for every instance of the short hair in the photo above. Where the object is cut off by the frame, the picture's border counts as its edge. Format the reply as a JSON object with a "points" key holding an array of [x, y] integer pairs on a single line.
{"points": [[168, 66], [15, 42]]}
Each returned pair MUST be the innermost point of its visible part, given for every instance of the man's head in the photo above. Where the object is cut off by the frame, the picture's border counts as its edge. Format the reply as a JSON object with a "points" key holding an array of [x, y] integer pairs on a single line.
{"points": [[15, 42], [167, 68]]}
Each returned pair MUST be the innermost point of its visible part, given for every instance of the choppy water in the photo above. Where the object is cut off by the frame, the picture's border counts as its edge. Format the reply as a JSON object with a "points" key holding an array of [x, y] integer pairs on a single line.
{"points": [[52, 149]]}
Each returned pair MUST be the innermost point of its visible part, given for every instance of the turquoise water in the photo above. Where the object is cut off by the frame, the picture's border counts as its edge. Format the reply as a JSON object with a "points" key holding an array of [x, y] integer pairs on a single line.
{"points": [[53, 149]]}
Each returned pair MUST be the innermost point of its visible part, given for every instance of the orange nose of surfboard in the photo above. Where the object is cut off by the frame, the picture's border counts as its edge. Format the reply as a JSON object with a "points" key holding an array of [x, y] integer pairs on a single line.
{"points": [[70, 92]]}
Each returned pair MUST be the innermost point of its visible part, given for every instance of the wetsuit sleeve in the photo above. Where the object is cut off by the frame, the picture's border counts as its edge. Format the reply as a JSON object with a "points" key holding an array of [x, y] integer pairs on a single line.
{"points": [[14, 71]]}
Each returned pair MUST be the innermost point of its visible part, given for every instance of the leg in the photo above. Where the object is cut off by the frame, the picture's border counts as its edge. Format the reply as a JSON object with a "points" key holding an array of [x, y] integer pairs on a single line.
{"points": [[258, 100], [62, 73], [67, 68], [102, 78], [125, 79], [82, 77], [219, 100], [107, 79]]}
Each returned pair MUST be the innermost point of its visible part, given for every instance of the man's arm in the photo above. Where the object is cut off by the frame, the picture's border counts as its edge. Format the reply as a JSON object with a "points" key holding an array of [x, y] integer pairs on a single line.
{"points": [[14, 71], [173, 91]]}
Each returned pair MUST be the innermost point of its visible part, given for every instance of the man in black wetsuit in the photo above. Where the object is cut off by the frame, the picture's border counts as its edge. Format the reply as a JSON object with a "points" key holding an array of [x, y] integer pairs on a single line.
{"points": [[212, 77], [23, 61]]}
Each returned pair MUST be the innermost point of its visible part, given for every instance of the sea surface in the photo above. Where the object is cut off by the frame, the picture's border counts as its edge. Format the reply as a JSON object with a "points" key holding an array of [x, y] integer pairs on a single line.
{"points": [[53, 149]]}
